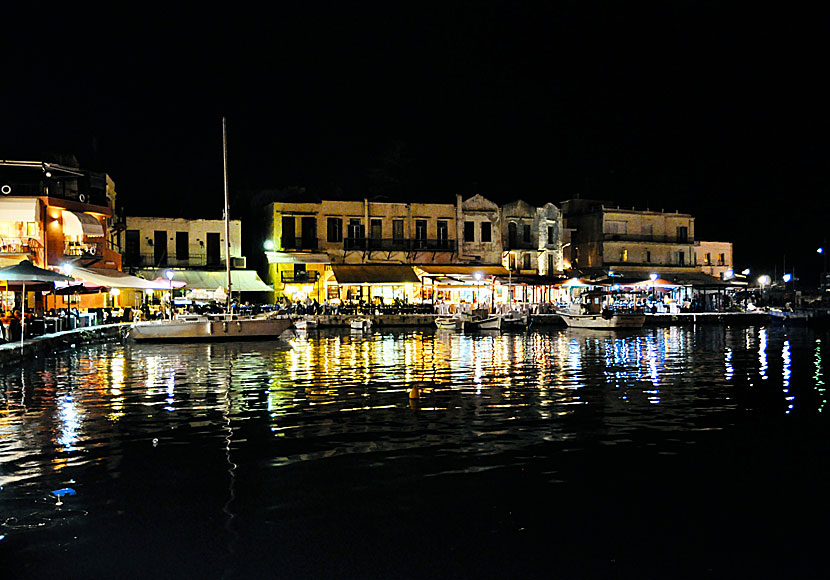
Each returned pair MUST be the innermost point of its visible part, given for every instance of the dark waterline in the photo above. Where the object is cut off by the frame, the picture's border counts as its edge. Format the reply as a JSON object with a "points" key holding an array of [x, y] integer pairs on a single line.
{"points": [[663, 453]]}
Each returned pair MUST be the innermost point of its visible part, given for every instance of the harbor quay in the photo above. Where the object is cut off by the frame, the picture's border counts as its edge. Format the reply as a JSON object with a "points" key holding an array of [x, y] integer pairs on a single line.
{"points": [[13, 353]]}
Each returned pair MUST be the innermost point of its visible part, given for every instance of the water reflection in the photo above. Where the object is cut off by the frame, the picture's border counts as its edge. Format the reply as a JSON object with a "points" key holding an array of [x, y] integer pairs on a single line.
{"points": [[100, 416]]}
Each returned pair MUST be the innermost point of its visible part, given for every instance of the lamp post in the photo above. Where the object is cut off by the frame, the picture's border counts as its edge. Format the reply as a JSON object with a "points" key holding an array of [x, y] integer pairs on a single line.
{"points": [[67, 270], [763, 281], [169, 274], [823, 281]]}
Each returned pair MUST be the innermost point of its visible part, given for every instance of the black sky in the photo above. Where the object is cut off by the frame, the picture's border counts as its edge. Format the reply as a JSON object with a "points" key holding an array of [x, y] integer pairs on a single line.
{"points": [[715, 109]]}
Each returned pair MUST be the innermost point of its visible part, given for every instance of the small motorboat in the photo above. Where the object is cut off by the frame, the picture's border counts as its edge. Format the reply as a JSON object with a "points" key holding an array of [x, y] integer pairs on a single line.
{"points": [[361, 324], [512, 320], [306, 323]]}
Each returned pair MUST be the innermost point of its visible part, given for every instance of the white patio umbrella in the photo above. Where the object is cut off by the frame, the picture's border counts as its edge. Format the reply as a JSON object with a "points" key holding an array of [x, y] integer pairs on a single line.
{"points": [[27, 273]]}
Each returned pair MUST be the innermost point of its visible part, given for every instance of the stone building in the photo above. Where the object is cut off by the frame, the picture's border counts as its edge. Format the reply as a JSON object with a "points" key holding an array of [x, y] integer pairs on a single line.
{"points": [[629, 241]]}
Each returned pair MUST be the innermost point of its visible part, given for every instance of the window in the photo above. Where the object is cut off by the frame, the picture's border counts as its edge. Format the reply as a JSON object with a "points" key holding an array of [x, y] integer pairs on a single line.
{"points": [[486, 232], [132, 249], [615, 227], [397, 232], [469, 231], [526, 233], [624, 255], [551, 235], [443, 233], [512, 235], [356, 230], [160, 248], [288, 241], [420, 229], [682, 234], [681, 258], [647, 230], [526, 262], [182, 246], [722, 260], [376, 229], [334, 230], [648, 256], [308, 231], [213, 255], [356, 234]]}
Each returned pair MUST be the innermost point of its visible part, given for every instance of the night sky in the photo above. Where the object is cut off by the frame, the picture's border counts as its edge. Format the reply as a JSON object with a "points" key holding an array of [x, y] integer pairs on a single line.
{"points": [[708, 108]]}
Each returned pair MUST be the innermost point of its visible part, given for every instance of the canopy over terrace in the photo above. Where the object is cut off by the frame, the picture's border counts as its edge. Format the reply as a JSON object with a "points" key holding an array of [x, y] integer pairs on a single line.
{"points": [[241, 280], [368, 281], [115, 279]]}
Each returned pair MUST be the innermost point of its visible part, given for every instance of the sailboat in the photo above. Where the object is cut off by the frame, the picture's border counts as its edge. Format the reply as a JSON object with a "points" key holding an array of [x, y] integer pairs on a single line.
{"points": [[214, 327]]}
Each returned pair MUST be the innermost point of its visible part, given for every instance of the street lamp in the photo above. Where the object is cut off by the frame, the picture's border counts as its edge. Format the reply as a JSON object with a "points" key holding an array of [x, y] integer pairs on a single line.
{"points": [[824, 270], [268, 245], [169, 274]]}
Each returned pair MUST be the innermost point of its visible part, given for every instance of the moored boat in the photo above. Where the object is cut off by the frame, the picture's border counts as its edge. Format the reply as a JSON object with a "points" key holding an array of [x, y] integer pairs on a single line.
{"points": [[602, 310], [216, 327], [210, 328], [306, 323], [362, 324]]}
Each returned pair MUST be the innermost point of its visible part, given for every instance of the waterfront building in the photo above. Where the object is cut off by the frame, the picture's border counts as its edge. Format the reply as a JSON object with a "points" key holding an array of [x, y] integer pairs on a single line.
{"points": [[715, 258], [629, 242], [193, 250], [58, 216], [369, 249], [334, 250]]}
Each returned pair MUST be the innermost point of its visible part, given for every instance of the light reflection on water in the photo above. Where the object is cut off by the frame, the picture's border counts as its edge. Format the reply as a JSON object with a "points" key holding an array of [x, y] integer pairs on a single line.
{"points": [[93, 417]]}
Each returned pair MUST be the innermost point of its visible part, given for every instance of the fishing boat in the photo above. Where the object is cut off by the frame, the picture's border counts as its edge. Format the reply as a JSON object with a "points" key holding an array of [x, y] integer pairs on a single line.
{"points": [[603, 310], [214, 327]]}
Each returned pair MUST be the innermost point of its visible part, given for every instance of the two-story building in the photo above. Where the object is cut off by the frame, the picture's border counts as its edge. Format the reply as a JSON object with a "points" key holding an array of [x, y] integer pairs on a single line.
{"points": [[337, 249], [193, 251], [629, 241]]}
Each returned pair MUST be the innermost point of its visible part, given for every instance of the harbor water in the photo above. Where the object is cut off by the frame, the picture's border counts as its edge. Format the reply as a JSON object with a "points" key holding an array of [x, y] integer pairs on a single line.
{"points": [[678, 452]]}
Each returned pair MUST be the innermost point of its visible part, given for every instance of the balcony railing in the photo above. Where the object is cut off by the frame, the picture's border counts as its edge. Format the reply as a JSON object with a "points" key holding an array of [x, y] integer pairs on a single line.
{"points": [[519, 245], [398, 245], [94, 197], [150, 261], [83, 249], [647, 238], [308, 277], [298, 244], [22, 246]]}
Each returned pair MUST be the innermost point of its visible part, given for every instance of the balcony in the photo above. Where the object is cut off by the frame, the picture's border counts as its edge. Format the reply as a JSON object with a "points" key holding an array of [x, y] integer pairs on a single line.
{"points": [[519, 245], [298, 244], [398, 245], [308, 277], [57, 190], [22, 247], [83, 248], [647, 238], [192, 261]]}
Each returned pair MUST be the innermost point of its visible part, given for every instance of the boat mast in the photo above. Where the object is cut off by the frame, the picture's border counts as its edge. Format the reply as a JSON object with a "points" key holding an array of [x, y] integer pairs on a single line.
{"points": [[227, 215]]}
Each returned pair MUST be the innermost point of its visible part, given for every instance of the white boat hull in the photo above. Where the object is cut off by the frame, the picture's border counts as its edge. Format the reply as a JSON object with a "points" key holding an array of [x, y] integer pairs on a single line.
{"points": [[207, 329], [361, 324], [600, 321]]}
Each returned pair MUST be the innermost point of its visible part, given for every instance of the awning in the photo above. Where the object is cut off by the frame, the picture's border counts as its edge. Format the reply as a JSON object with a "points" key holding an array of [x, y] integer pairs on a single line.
{"points": [[241, 280], [76, 223], [463, 269], [115, 279], [19, 210], [374, 274], [286, 258]]}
